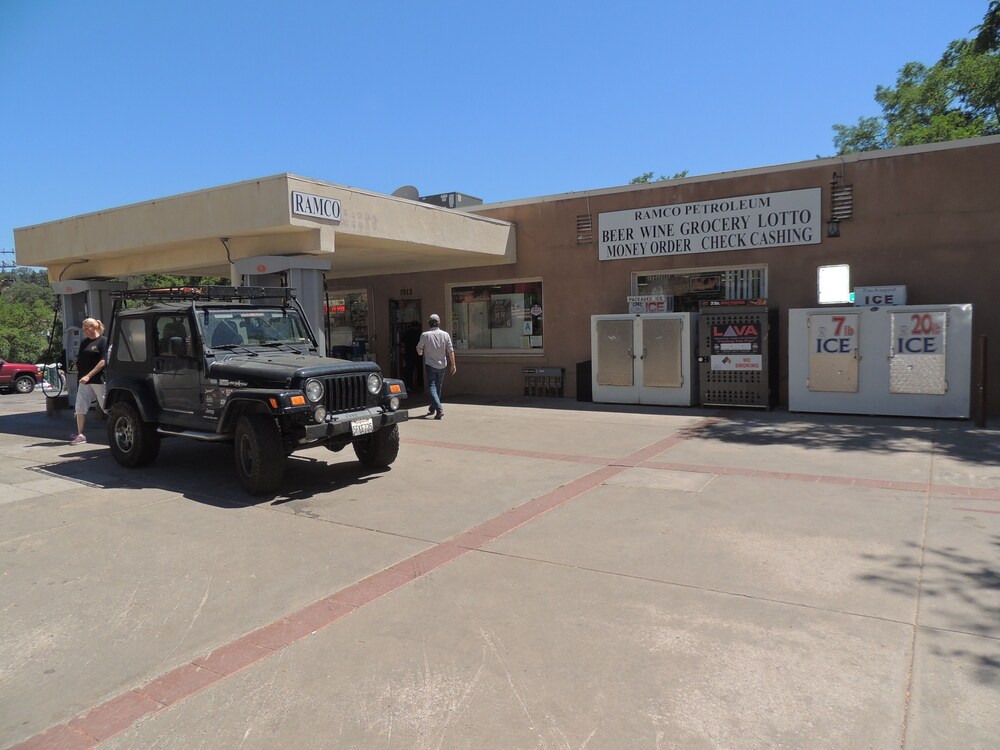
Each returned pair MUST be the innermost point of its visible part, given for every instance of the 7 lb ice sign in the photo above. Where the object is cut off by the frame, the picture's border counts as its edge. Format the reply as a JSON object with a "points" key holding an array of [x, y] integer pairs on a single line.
{"points": [[834, 334]]}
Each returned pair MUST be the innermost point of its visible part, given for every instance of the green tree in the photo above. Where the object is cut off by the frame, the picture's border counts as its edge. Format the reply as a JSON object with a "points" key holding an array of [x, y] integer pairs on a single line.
{"points": [[957, 97], [648, 177], [27, 311]]}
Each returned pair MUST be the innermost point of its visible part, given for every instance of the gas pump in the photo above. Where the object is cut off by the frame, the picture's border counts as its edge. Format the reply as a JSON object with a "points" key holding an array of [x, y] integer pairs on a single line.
{"points": [[304, 275]]}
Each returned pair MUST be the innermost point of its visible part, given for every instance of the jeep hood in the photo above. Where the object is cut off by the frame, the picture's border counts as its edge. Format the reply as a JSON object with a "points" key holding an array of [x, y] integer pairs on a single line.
{"points": [[280, 368]]}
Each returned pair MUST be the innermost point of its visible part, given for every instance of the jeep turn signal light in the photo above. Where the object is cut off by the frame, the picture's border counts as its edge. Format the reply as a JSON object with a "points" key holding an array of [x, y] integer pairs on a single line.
{"points": [[273, 402], [394, 388], [298, 400]]}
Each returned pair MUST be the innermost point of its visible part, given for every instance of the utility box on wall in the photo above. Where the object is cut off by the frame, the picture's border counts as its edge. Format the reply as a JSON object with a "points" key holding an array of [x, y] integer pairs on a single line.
{"points": [[912, 360]]}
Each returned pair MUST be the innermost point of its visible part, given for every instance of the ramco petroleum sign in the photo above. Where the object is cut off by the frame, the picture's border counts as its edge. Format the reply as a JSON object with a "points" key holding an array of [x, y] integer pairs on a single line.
{"points": [[315, 206]]}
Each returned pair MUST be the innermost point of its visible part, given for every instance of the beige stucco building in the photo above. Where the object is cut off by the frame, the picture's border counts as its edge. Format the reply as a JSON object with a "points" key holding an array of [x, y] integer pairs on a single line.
{"points": [[517, 282]]}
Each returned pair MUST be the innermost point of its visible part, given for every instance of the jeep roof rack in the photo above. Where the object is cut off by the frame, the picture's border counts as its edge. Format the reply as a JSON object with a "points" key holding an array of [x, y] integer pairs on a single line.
{"points": [[209, 293]]}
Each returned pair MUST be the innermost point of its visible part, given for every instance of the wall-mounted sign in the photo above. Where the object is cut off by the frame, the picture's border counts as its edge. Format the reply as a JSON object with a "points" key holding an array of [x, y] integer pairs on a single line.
{"points": [[791, 217], [736, 346], [651, 303], [315, 206], [867, 296]]}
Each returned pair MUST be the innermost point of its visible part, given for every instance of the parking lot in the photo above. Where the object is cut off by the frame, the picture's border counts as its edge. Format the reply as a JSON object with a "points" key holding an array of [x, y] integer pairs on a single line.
{"points": [[530, 573]]}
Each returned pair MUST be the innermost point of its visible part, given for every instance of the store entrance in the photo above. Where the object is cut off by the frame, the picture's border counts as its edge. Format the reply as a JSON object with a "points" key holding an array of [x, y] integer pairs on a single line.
{"points": [[406, 323]]}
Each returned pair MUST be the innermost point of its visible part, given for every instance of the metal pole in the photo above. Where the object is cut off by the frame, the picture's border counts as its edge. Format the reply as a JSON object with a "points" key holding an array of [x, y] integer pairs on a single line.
{"points": [[981, 402]]}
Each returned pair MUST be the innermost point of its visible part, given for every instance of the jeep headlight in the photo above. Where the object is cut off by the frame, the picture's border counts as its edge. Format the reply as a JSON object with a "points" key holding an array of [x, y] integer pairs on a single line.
{"points": [[314, 390], [374, 383]]}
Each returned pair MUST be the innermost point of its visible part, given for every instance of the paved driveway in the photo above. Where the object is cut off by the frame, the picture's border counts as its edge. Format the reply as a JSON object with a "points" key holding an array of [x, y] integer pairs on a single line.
{"points": [[529, 574]]}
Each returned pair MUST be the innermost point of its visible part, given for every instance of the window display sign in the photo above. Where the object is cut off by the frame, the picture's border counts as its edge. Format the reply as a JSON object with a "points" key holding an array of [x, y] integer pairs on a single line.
{"points": [[791, 217], [651, 303]]}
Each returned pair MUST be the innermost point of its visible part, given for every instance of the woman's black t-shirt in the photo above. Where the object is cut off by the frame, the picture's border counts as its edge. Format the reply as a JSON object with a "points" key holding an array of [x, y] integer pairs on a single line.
{"points": [[92, 351]]}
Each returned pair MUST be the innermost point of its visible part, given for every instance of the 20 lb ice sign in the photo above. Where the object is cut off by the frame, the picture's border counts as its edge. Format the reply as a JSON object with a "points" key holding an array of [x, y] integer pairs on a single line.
{"points": [[834, 334], [919, 333]]}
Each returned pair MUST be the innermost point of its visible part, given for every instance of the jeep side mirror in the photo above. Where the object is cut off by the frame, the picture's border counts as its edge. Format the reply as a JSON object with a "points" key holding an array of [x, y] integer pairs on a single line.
{"points": [[177, 346]]}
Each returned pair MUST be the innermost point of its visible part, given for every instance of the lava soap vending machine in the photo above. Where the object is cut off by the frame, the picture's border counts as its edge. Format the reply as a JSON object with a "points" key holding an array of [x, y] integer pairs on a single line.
{"points": [[737, 353], [908, 360], [644, 358]]}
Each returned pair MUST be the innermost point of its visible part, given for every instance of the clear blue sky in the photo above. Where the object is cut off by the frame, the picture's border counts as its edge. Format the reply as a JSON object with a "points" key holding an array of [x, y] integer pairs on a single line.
{"points": [[109, 102]]}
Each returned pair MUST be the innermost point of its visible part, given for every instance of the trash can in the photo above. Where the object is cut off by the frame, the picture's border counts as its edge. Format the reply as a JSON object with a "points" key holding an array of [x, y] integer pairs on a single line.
{"points": [[584, 384]]}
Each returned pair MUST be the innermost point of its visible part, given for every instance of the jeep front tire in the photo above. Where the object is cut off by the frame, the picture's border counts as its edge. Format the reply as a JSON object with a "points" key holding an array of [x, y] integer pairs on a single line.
{"points": [[133, 442], [260, 459], [379, 449]]}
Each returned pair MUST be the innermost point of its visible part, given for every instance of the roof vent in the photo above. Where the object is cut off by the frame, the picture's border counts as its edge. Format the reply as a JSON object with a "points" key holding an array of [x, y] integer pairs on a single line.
{"points": [[452, 200]]}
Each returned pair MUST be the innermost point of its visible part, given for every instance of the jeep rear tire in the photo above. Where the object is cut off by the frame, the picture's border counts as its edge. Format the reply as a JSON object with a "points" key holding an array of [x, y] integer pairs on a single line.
{"points": [[24, 384], [379, 449], [133, 442], [260, 460]]}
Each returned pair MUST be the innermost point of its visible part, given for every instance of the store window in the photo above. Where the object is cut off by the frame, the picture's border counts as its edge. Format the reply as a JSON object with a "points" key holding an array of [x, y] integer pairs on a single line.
{"points": [[504, 316], [347, 333], [689, 287]]}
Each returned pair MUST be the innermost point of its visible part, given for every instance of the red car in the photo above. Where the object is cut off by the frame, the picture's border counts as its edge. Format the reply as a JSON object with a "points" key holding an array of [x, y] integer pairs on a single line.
{"points": [[20, 378]]}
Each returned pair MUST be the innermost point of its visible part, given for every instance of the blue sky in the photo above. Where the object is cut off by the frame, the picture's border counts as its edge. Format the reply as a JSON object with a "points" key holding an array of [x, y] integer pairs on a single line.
{"points": [[111, 102]]}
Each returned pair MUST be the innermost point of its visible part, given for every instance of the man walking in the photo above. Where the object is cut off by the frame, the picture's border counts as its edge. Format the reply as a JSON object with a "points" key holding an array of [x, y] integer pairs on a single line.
{"points": [[438, 352]]}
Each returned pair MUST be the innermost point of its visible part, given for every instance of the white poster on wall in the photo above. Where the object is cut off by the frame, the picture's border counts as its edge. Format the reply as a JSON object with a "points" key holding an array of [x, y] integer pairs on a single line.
{"points": [[791, 217]]}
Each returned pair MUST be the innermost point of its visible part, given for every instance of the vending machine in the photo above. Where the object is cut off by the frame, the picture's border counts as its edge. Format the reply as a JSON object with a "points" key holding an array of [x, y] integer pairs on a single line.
{"points": [[907, 360], [737, 353], [644, 358]]}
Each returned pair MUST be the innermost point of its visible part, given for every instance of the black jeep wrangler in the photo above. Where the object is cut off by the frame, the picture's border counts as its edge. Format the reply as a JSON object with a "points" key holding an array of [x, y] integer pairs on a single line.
{"points": [[239, 365]]}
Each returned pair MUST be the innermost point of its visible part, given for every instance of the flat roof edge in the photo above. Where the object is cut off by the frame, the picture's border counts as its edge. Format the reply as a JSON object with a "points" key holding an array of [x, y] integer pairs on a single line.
{"points": [[988, 140]]}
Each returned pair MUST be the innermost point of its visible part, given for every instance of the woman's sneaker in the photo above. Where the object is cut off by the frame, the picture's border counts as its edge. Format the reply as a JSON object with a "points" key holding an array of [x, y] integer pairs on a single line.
{"points": [[78, 439]]}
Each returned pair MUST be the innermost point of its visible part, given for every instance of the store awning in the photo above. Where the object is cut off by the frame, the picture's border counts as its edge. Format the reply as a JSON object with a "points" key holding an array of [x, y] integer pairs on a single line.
{"points": [[360, 232]]}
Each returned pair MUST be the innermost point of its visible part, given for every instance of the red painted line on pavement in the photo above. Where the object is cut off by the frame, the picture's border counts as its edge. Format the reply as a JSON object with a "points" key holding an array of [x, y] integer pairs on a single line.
{"points": [[122, 712]]}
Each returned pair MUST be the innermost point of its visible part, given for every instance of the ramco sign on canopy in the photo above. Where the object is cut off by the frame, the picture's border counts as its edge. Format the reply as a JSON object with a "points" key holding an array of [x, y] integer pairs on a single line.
{"points": [[791, 217], [315, 206]]}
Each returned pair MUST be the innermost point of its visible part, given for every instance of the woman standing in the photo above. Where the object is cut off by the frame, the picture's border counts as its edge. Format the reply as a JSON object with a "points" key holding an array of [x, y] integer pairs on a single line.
{"points": [[90, 363]]}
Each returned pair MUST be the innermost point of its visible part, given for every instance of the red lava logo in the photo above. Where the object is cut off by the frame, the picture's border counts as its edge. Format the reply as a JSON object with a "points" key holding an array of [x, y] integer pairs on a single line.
{"points": [[261, 268]]}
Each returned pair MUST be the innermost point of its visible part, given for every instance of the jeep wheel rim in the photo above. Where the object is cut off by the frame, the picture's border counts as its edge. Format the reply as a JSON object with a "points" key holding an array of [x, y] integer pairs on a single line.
{"points": [[124, 435], [246, 456]]}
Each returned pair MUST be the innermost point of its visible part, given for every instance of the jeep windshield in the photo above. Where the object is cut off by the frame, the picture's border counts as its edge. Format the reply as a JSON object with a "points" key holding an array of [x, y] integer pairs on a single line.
{"points": [[230, 327]]}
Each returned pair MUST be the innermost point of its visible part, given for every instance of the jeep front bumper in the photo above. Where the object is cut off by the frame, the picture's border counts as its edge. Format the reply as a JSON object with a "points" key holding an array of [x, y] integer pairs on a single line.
{"points": [[353, 424]]}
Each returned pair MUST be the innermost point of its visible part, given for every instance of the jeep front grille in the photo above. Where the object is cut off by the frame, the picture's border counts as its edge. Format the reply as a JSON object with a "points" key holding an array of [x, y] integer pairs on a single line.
{"points": [[346, 393]]}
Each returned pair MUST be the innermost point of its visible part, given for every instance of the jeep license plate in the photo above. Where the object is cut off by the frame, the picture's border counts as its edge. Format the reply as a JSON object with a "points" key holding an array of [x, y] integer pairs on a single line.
{"points": [[362, 426]]}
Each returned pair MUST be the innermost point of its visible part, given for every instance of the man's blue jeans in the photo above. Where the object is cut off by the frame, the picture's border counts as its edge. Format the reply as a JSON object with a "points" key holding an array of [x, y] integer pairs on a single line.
{"points": [[434, 380]]}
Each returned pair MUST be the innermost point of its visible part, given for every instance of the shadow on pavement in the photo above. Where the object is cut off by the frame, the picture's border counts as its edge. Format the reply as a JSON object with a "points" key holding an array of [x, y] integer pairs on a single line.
{"points": [[203, 472], [968, 589]]}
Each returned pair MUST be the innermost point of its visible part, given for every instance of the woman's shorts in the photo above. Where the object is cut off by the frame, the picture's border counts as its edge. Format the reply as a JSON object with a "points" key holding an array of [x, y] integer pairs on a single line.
{"points": [[86, 394]]}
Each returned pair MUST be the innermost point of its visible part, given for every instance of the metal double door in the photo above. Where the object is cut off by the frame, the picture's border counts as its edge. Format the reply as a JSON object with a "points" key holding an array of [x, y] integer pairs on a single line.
{"points": [[643, 359]]}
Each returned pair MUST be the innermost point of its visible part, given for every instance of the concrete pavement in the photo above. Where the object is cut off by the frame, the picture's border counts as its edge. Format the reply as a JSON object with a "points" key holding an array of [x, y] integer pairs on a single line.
{"points": [[529, 574]]}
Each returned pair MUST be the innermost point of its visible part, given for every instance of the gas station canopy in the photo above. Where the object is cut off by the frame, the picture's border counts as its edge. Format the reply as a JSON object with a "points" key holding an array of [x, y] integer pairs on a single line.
{"points": [[360, 233]]}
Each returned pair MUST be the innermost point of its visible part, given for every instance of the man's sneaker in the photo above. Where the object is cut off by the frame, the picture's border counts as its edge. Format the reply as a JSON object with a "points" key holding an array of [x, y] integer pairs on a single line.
{"points": [[78, 440], [431, 411], [440, 415]]}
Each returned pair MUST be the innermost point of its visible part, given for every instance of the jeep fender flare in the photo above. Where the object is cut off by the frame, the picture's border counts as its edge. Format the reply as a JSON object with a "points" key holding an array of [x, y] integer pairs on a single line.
{"points": [[137, 393], [243, 402]]}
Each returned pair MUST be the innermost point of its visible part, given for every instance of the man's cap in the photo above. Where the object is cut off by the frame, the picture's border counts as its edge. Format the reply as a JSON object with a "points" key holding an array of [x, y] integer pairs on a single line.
{"points": [[435, 317]]}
